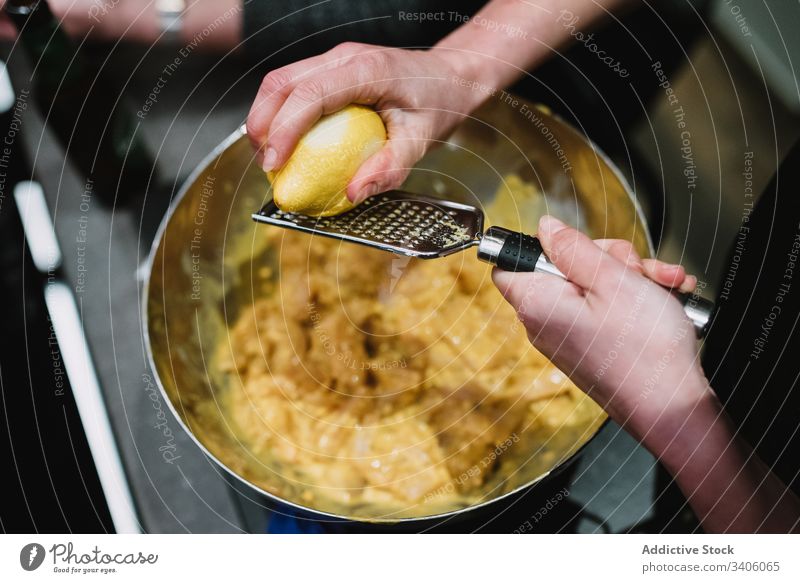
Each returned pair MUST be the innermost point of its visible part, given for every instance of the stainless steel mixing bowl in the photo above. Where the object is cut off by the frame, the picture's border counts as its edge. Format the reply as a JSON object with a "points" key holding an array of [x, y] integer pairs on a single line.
{"points": [[201, 272]]}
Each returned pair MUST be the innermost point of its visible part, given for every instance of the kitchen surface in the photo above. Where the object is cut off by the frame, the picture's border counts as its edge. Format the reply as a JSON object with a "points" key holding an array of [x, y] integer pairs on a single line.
{"points": [[140, 470]]}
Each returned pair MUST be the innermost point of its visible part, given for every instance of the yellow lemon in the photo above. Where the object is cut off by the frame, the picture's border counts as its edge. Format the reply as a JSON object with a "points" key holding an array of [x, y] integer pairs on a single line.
{"points": [[314, 179]]}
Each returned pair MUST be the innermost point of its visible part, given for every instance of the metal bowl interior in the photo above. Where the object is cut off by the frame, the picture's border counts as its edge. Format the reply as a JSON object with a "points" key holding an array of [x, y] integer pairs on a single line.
{"points": [[201, 272]]}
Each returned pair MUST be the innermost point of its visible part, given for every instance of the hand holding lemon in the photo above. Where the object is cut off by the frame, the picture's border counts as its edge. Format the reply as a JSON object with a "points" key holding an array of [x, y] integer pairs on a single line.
{"points": [[410, 91]]}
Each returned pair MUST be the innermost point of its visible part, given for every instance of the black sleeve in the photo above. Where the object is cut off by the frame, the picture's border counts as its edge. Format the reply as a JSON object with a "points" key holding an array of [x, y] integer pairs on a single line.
{"points": [[284, 31], [752, 351]]}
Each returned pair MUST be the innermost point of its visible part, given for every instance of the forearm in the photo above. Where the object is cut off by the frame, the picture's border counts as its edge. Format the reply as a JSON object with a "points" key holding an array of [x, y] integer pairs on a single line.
{"points": [[728, 486], [138, 21], [650, 382], [223, 18], [508, 37]]}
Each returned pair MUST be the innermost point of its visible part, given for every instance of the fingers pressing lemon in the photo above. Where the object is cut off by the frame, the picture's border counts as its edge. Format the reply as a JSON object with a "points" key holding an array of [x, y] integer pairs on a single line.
{"points": [[314, 179]]}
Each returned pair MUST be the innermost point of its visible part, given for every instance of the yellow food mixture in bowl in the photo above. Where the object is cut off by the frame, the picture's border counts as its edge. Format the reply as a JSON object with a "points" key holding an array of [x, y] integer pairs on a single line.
{"points": [[378, 386]]}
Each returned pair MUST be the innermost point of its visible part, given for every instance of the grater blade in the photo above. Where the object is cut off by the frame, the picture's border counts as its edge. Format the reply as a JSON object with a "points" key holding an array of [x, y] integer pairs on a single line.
{"points": [[419, 226], [396, 221]]}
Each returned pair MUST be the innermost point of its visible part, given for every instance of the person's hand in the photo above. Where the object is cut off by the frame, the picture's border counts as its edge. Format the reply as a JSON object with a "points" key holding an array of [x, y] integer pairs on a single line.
{"points": [[412, 90], [621, 337], [8, 31], [136, 21], [106, 21]]}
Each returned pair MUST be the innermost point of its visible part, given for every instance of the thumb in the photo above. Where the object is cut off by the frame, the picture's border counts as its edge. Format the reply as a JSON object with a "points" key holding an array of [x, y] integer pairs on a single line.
{"points": [[577, 256], [387, 168]]}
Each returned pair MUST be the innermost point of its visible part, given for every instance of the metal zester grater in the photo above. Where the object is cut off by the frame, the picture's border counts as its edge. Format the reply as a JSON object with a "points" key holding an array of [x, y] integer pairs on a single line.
{"points": [[423, 227]]}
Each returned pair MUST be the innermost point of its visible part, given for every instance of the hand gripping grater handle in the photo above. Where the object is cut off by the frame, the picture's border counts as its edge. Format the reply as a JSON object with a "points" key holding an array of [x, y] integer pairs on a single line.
{"points": [[512, 251]]}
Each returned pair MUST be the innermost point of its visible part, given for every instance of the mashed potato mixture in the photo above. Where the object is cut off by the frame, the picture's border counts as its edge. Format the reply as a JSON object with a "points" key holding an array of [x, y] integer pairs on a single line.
{"points": [[373, 384]]}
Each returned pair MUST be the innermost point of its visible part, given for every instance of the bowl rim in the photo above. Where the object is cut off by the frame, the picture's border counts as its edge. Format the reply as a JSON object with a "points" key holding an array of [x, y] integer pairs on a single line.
{"points": [[317, 513]]}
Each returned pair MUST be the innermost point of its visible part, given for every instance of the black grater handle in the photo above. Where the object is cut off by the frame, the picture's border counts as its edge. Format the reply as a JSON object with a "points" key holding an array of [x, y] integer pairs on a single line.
{"points": [[512, 251], [519, 252]]}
